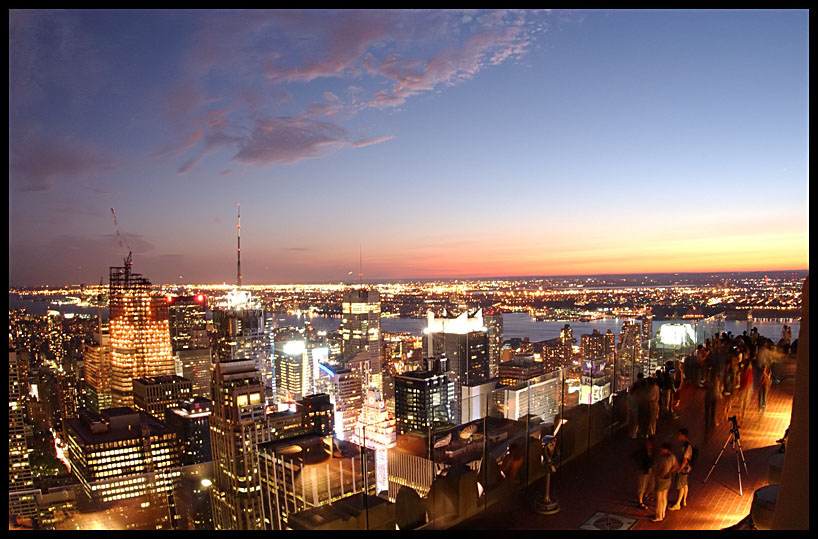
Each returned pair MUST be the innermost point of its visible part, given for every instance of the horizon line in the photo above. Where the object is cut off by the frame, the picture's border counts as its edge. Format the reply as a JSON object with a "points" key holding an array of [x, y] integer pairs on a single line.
{"points": [[464, 278]]}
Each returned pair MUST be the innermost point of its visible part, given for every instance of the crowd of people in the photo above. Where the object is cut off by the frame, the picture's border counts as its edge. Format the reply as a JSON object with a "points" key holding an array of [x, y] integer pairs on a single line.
{"points": [[657, 466], [732, 370]]}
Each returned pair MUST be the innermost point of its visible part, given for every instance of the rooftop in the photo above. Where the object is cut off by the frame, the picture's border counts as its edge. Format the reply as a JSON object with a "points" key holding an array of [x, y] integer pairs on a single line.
{"points": [[603, 480]]}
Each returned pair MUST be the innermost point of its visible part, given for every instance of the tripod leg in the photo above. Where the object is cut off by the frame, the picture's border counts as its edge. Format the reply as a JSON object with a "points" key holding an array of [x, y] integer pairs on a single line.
{"points": [[743, 460], [717, 458], [738, 469]]}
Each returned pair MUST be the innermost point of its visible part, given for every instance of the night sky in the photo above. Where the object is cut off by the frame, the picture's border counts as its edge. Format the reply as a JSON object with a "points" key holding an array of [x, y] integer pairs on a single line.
{"points": [[440, 143]]}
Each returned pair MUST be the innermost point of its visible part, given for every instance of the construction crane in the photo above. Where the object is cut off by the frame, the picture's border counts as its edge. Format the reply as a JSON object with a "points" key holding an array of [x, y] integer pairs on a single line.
{"points": [[122, 246]]}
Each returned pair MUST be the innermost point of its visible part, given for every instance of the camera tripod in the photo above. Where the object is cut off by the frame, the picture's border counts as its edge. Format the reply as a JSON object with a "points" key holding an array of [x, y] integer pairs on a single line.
{"points": [[735, 440]]}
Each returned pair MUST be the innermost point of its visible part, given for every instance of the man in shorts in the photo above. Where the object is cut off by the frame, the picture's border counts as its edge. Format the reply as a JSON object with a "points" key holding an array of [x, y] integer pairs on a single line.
{"points": [[685, 466]]}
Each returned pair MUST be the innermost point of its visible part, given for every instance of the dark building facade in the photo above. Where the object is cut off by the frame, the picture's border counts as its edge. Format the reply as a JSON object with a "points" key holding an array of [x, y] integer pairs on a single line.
{"points": [[191, 423], [155, 394], [423, 399]]}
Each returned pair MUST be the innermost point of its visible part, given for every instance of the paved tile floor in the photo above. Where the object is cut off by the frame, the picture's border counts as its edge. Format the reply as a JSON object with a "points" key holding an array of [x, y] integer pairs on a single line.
{"points": [[604, 480]]}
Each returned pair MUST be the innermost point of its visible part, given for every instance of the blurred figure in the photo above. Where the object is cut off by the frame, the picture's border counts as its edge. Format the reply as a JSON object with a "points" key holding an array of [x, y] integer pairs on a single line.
{"points": [[653, 405], [713, 392], [664, 466], [745, 391], [633, 405], [685, 467], [698, 373], [764, 387], [644, 462], [665, 388]]}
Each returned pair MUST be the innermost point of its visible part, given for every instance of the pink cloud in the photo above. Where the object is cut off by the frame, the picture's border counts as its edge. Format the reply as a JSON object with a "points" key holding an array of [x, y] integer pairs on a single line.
{"points": [[370, 142], [447, 67], [414, 52], [288, 140]]}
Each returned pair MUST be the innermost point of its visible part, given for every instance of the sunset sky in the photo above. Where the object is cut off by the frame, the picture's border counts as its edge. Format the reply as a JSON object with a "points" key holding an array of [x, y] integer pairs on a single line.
{"points": [[440, 143]]}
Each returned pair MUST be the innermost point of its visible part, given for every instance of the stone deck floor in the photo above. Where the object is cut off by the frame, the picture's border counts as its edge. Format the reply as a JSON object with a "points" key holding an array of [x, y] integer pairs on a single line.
{"points": [[604, 479]]}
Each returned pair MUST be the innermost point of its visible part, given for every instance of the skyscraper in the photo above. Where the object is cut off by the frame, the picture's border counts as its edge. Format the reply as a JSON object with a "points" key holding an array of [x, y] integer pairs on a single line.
{"points": [[598, 345], [463, 341], [140, 333], [238, 422], [376, 430], [155, 394], [423, 400], [294, 371], [567, 340], [121, 454], [190, 341], [97, 365], [188, 325], [20, 479], [494, 325], [628, 354], [361, 329], [348, 399], [241, 333], [191, 423], [647, 326]]}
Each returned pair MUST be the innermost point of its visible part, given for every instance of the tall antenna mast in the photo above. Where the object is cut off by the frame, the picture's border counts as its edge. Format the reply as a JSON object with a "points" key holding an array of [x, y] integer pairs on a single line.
{"points": [[361, 264], [238, 248]]}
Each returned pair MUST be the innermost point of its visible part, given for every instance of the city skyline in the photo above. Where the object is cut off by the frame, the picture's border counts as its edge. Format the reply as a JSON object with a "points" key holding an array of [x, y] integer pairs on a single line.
{"points": [[443, 144]]}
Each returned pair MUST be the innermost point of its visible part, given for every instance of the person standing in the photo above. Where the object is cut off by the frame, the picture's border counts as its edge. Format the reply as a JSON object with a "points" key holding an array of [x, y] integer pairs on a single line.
{"points": [[644, 462], [764, 387], [745, 391], [633, 405], [653, 406], [663, 469], [685, 467], [699, 358], [711, 400]]}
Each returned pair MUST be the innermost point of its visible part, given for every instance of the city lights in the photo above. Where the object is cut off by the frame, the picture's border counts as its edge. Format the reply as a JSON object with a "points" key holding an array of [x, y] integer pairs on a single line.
{"points": [[489, 256]]}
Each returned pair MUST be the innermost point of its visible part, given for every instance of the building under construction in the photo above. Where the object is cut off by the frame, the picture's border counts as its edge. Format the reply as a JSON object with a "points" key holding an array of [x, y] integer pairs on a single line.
{"points": [[139, 331]]}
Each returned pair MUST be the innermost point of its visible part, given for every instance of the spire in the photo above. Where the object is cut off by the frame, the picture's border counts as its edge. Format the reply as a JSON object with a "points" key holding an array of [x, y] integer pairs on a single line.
{"points": [[238, 247], [361, 264]]}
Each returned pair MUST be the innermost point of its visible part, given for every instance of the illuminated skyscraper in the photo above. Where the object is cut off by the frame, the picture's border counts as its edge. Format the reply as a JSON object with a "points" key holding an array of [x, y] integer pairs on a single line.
{"points": [[156, 394], [423, 400], [121, 454], [553, 355], [97, 365], [190, 341], [598, 346], [188, 325], [647, 327], [67, 395], [361, 329], [20, 479], [238, 422], [463, 341], [140, 333], [241, 334], [294, 371], [348, 399], [567, 340], [376, 430], [628, 354], [494, 325]]}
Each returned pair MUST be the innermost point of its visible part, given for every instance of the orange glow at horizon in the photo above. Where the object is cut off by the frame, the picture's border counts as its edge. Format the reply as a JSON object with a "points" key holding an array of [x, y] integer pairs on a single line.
{"points": [[770, 252]]}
